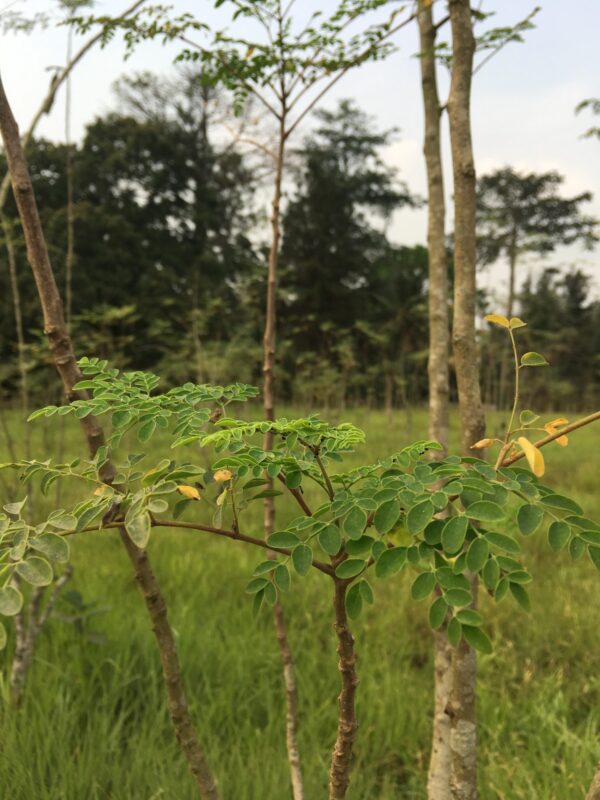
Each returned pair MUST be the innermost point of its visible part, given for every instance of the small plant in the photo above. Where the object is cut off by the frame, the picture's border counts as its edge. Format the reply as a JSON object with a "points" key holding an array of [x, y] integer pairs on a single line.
{"points": [[438, 520]]}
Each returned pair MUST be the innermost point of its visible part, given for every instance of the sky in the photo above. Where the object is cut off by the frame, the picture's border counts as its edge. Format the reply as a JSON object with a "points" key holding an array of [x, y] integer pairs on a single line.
{"points": [[523, 108]]}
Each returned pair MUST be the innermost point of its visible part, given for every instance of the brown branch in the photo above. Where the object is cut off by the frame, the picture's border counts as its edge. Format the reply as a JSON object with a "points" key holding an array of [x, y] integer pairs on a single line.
{"points": [[556, 435], [339, 775], [297, 495], [66, 365]]}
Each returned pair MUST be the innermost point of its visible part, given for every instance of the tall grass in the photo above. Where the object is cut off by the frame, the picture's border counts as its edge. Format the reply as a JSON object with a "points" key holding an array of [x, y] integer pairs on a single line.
{"points": [[94, 722]]}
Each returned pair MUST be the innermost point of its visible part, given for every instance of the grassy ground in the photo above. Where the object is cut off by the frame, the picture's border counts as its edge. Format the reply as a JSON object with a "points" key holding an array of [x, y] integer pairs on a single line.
{"points": [[94, 723]]}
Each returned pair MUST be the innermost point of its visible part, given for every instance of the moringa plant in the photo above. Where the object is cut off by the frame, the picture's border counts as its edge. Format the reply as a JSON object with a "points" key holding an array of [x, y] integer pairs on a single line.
{"points": [[436, 520]]}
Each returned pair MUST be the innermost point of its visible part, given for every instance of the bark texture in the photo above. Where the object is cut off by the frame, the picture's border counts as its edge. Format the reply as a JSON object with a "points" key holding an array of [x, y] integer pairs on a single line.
{"points": [[341, 761], [463, 331], [462, 709], [439, 336], [440, 762], [66, 364]]}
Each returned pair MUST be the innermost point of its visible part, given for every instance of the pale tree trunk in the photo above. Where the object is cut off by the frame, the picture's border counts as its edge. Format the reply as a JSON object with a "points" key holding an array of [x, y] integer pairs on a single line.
{"points": [[462, 710], [438, 778], [594, 790], [66, 365]]}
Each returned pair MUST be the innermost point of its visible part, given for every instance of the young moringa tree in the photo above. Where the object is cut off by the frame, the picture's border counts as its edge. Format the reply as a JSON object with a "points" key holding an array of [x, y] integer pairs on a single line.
{"points": [[288, 71], [66, 364]]}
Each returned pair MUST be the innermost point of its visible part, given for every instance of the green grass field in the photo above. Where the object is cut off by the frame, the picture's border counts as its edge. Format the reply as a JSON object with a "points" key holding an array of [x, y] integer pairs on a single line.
{"points": [[94, 725]]}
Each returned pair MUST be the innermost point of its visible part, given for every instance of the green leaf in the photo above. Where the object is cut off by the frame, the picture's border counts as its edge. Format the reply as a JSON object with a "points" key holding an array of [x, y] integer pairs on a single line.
{"points": [[529, 518], [302, 559], [576, 548], [359, 547], [470, 617], [258, 601], [562, 503], [454, 632], [454, 533], [594, 554], [418, 516], [433, 531], [283, 539], [35, 571], [121, 418], [270, 594], [350, 567], [520, 595], [503, 542], [65, 522], [354, 601], [265, 566], [390, 561], [559, 534], [533, 360], [386, 516], [146, 430], [139, 529], [11, 601], [256, 585], [281, 576], [330, 539], [501, 589], [485, 511], [477, 639], [423, 586], [458, 597], [293, 479], [15, 508], [477, 554], [591, 537], [54, 547], [366, 591], [437, 613], [355, 522], [527, 417]]}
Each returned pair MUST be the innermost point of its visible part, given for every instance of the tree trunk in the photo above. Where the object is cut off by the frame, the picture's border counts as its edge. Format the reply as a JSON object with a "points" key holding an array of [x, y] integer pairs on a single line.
{"points": [[66, 364], [439, 337], [462, 701], [341, 761], [438, 780], [269, 503], [594, 790]]}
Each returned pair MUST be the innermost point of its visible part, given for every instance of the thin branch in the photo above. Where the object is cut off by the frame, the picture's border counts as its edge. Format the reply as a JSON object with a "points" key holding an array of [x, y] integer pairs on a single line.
{"points": [[580, 423], [297, 495]]}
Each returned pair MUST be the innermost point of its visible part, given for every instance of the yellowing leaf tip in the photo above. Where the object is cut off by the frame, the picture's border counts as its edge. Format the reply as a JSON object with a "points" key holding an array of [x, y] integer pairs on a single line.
{"points": [[222, 475], [497, 319], [482, 444], [515, 322]]}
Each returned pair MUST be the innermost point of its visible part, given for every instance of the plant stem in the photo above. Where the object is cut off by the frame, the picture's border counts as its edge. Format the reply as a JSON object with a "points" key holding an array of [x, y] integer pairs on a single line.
{"points": [[580, 423], [339, 775], [516, 396]]}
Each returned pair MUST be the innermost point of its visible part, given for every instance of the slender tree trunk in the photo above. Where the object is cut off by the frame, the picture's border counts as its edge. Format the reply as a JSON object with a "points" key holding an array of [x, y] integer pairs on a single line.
{"points": [[269, 503], [439, 336], [594, 790], [70, 257], [438, 779], [341, 761], [463, 735], [66, 364]]}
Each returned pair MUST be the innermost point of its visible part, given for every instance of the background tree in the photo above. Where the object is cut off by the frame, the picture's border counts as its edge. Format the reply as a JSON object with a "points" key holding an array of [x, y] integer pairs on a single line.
{"points": [[520, 213]]}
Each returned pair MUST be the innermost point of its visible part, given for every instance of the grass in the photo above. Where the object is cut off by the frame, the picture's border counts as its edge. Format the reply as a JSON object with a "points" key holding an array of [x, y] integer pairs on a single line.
{"points": [[94, 723]]}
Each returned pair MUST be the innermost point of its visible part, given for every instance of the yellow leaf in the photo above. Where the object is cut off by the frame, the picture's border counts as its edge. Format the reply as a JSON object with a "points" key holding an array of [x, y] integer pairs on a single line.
{"points": [[482, 444], [223, 475], [189, 492], [497, 320], [555, 423], [515, 322], [222, 497], [100, 491], [563, 441], [534, 457]]}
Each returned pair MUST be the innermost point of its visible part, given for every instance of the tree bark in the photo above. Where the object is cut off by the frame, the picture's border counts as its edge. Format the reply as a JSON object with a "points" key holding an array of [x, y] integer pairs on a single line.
{"points": [[594, 790], [439, 336], [66, 364], [341, 761], [438, 779], [462, 708]]}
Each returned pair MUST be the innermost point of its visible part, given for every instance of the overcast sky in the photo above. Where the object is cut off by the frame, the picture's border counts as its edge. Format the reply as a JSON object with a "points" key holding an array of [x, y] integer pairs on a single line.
{"points": [[523, 99]]}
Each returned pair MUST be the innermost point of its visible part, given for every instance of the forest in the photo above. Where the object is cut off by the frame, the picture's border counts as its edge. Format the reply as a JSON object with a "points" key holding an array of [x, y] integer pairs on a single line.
{"points": [[298, 452]]}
